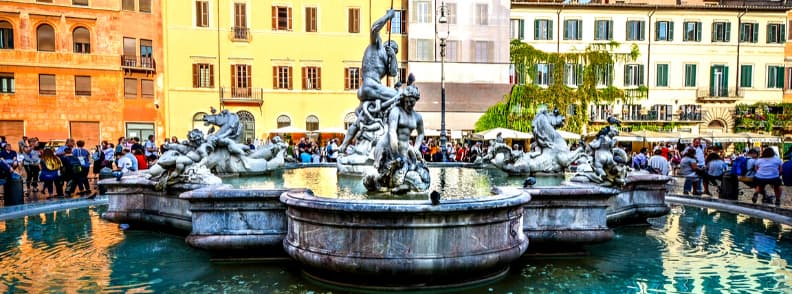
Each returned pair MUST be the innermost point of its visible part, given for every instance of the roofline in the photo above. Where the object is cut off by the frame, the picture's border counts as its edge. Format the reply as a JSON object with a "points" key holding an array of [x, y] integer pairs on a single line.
{"points": [[528, 4]]}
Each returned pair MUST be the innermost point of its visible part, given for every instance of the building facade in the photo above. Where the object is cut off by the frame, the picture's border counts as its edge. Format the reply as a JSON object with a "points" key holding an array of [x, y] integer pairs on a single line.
{"points": [[476, 68], [696, 62], [63, 69], [275, 63]]}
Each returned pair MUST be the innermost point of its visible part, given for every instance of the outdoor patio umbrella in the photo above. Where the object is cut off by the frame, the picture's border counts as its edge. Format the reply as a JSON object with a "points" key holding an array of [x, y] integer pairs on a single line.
{"points": [[761, 138], [505, 133], [652, 136], [330, 131], [288, 130], [568, 135]]}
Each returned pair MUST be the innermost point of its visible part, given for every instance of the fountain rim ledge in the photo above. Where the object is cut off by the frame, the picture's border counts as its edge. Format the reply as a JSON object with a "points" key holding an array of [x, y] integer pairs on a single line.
{"points": [[505, 197]]}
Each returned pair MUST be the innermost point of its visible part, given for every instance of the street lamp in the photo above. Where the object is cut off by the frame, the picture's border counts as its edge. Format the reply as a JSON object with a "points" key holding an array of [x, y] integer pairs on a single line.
{"points": [[442, 31]]}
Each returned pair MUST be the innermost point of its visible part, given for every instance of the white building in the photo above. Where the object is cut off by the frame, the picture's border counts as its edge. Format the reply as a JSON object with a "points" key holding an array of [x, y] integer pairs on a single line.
{"points": [[697, 62]]}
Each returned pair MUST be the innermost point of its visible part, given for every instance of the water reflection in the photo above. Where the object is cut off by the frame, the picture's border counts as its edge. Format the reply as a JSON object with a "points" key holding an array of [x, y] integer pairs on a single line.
{"points": [[691, 250]]}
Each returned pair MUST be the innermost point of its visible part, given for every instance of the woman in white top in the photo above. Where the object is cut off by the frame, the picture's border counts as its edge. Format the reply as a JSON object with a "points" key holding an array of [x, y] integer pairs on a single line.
{"points": [[768, 172]]}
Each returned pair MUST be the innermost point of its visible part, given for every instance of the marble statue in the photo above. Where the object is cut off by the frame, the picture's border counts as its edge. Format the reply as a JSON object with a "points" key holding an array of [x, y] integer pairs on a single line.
{"points": [[399, 166], [608, 165], [376, 99], [198, 158], [549, 151]]}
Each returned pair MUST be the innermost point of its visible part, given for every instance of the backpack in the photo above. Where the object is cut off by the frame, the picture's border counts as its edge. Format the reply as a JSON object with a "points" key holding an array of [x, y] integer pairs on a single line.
{"points": [[740, 166], [75, 166]]}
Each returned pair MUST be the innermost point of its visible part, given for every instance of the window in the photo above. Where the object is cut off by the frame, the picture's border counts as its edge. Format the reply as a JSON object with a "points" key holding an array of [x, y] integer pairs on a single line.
{"points": [[7, 82], [481, 14], [146, 54], [130, 88], [543, 74], [6, 35], [721, 32], [662, 112], [46, 84], [692, 31], [452, 50], [516, 29], [352, 78], [631, 112], [483, 51], [572, 29], [311, 123], [312, 78], [80, 2], [635, 30], [633, 75], [349, 120], [451, 13], [398, 23], [144, 6], [775, 77], [603, 30], [282, 77], [423, 49], [147, 88], [600, 112], [202, 14], [197, 122], [45, 38], [690, 112], [690, 75], [82, 40], [241, 76], [543, 29], [203, 75], [139, 130], [749, 32], [604, 75], [662, 75], [283, 121], [746, 75], [422, 12], [240, 22], [310, 19], [664, 31], [719, 81], [776, 33], [354, 20], [573, 74], [128, 5], [82, 86], [248, 123], [281, 18]]}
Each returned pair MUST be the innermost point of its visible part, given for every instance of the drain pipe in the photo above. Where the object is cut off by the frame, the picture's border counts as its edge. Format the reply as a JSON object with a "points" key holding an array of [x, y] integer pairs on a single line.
{"points": [[219, 71], [737, 77], [558, 29], [649, 52]]}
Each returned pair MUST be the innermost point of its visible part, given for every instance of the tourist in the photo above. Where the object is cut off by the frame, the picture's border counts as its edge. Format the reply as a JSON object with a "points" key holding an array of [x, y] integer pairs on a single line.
{"points": [[316, 152], [639, 160], [142, 161], [31, 159], [84, 158], [768, 172], [50, 174], [658, 164], [332, 151], [461, 153], [664, 150], [10, 157], [61, 149], [98, 158], [689, 169], [786, 172], [120, 145], [150, 148], [132, 159], [676, 159], [451, 151], [71, 169], [715, 168], [22, 143], [123, 162]]}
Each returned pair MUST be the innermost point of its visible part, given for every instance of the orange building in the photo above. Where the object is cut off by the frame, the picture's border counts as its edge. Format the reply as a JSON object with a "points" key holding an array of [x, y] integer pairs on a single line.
{"points": [[79, 68]]}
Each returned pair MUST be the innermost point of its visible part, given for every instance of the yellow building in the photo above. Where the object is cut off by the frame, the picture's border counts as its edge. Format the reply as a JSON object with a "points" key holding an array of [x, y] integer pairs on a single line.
{"points": [[275, 63]]}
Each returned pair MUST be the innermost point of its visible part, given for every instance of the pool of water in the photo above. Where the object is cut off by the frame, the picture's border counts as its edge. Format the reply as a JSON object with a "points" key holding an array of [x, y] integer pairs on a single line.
{"points": [[451, 182], [691, 250]]}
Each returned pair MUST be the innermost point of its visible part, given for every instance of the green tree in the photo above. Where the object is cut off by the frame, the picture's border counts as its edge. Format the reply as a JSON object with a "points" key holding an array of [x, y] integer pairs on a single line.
{"points": [[517, 109]]}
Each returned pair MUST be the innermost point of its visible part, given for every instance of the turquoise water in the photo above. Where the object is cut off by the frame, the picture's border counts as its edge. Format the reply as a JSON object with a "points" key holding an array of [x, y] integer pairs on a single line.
{"points": [[692, 250], [451, 182]]}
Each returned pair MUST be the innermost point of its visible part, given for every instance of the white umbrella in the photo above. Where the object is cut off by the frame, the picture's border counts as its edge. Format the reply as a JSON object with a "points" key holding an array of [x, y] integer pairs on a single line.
{"points": [[330, 131], [568, 135], [505, 133], [287, 130]]}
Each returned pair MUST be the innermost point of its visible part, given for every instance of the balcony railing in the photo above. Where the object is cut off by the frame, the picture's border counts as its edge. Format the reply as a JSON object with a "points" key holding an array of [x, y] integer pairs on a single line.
{"points": [[240, 34], [242, 95], [138, 62], [719, 94], [635, 93], [653, 117]]}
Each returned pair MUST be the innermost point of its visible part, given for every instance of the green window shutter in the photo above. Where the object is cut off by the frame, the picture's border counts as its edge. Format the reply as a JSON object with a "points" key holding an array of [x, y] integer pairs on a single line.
{"points": [[550, 29], [642, 30], [670, 30], [610, 29], [727, 34], [690, 75], [725, 79], [657, 31], [768, 36], [698, 32], [521, 33], [779, 77], [782, 37], [566, 29], [662, 75], [641, 81], [712, 81], [626, 74], [536, 29], [743, 34], [629, 31], [746, 74], [579, 32], [755, 33], [714, 25]]}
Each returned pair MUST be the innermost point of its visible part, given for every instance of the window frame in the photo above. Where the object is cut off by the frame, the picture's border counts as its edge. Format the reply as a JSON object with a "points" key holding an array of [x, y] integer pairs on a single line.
{"points": [[669, 31], [203, 75], [128, 93], [398, 18], [661, 75], [144, 6], [578, 34], [543, 29], [82, 92], [143, 87], [632, 26], [696, 30], [350, 82], [7, 35], [311, 19], [353, 20], [575, 70], [608, 26], [48, 92], [312, 78], [39, 41], [202, 13], [780, 33], [128, 5], [276, 18], [753, 37], [634, 75], [544, 74], [725, 30], [7, 83], [746, 80], [482, 14], [774, 81], [80, 2], [282, 77], [691, 72], [83, 48]]}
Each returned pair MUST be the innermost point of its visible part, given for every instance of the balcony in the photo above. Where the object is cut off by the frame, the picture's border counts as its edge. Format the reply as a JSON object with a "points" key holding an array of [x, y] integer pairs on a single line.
{"points": [[718, 95], [138, 63], [240, 34], [253, 96], [635, 93]]}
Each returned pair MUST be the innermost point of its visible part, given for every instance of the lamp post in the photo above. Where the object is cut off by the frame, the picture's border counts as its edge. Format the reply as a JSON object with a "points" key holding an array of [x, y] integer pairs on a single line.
{"points": [[442, 31]]}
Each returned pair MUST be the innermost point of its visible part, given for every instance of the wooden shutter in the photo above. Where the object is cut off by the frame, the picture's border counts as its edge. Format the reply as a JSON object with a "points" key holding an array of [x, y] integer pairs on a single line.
{"points": [[47, 84], [211, 75], [233, 77], [289, 71], [318, 78], [289, 18], [82, 85], [274, 18], [304, 78], [240, 15], [346, 78], [198, 15], [130, 88], [196, 68], [275, 77], [147, 88], [249, 76]]}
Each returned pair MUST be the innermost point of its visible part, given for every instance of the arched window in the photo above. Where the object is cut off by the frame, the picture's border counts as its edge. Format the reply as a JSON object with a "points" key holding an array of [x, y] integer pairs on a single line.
{"points": [[248, 126], [82, 40], [45, 38], [311, 123], [198, 123], [284, 121], [349, 119], [6, 35]]}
